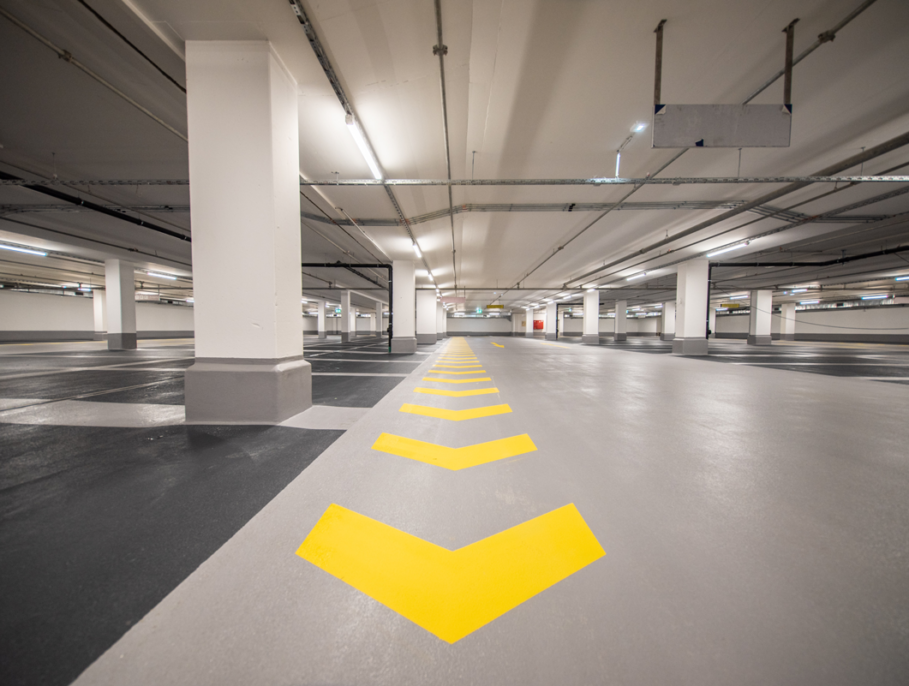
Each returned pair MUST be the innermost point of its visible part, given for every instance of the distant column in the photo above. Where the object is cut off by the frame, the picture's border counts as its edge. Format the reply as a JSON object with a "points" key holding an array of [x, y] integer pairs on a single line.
{"points": [[426, 317], [440, 321], [99, 304], [761, 313], [528, 326], [346, 335], [621, 320], [668, 323], [787, 325], [711, 320], [320, 318], [121, 305], [591, 333], [380, 323], [552, 321], [403, 308], [691, 313]]}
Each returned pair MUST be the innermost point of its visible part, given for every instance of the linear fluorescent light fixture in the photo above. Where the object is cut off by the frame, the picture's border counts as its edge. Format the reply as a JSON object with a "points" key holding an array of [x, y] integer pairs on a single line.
{"points": [[874, 297], [636, 276], [808, 302], [722, 250], [162, 276], [416, 250], [799, 290], [640, 126], [902, 278], [737, 297], [27, 251], [365, 149]]}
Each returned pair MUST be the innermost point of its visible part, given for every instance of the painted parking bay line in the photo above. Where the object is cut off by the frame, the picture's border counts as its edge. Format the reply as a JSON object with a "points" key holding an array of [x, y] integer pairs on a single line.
{"points": [[430, 378], [456, 415], [476, 371], [454, 458], [449, 366], [451, 593], [456, 394]]}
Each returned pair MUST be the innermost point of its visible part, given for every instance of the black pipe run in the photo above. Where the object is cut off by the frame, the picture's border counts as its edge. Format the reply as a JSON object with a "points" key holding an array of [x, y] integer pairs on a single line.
{"points": [[826, 263]]}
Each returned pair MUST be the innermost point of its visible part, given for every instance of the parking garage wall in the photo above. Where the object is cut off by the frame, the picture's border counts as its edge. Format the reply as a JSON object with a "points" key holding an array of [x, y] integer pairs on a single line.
{"points": [[476, 326], [634, 326], [877, 324]]}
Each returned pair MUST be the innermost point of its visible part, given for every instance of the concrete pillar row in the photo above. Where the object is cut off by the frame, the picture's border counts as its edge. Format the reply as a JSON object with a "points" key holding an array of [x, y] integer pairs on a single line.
{"points": [[346, 334], [320, 318], [404, 307], [99, 304], [591, 331], [243, 126], [668, 321], [528, 325], [380, 322], [787, 323], [440, 321], [121, 305], [426, 317], [552, 321], [760, 318], [621, 320], [691, 309]]}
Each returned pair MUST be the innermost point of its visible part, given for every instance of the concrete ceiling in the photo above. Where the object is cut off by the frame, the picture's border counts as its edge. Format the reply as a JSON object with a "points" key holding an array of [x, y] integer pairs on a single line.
{"points": [[536, 89]]}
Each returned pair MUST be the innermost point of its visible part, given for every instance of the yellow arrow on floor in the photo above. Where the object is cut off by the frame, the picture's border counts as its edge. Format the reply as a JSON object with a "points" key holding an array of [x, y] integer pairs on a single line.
{"points": [[498, 346], [451, 593], [456, 394], [454, 458], [456, 366], [456, 415], [478, 371], [429, 378]]}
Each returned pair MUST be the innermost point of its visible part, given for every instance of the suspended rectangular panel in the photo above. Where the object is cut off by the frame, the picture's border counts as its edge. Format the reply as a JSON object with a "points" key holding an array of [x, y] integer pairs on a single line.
{"points": [[722, 126]]}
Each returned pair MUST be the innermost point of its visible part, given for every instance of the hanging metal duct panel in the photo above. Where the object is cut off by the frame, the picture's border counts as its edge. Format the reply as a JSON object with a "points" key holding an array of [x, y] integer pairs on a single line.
{"points": [[722, 126]]}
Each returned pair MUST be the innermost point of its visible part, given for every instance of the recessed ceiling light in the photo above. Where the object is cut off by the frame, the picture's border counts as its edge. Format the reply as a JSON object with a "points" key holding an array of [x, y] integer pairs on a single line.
{"points": [[162, 276], [28, 251], [636, 276]]}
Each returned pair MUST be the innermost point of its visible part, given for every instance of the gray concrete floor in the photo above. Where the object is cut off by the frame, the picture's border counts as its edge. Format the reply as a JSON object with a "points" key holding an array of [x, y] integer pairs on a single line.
{"points": [[754, 520]]}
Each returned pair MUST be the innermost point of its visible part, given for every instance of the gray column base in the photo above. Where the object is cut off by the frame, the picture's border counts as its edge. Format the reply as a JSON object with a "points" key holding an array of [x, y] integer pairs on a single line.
{"points": [[551, 337], [590, 339], [787, 336], [346, 337], [528, 334], [621, 337], [759, 340], [247, 391], [99, 336], [667, 336], [322, 334], [403, 345], [440, 336], [121, 341], [689, 346], [426, 338]]}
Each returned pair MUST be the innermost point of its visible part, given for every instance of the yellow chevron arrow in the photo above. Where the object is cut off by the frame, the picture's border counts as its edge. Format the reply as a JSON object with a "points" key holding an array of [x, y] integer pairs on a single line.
{"points": [[478, 371], [454, 458], [456, 415], [456, 366], [498, 346], [430, 378], [451, 593], [456, 394]]}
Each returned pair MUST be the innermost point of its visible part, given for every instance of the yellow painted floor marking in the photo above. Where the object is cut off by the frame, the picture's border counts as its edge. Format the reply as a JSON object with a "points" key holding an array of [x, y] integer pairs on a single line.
{"points": [[451, 593], [476, 371], [455, 366], [498, 346], [456, 394], [430, 378], [555, 344], [456, 415], [454, 458]]}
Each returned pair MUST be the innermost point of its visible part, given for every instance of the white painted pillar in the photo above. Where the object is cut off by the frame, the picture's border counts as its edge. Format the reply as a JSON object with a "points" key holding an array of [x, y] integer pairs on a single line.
{"points": [[121, 305], [668, 321], [320, 318], [99, 299], [528, 326], [560, 331], [787, 325], [426, 317], [711, 321], [552, 321], [621, 320], [691, 314], [403, 308], [346, 334], [591, 331], [380, 322], [440, 321], [761, 314], [244, 172]]}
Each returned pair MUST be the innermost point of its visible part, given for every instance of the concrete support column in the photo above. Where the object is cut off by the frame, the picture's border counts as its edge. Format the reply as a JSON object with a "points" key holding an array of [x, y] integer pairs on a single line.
{"points": [[373, 326], [668, 321], [691, 315], [346, 334], [99, 299], [591, 331], [121, 305], [552, 321], [711, 321], [244, 171], [320, 318], [426, 317], [761, 312], [380, 322], [440, 321], [621, 320], [528, 326], [787, 325], [403, 308]]}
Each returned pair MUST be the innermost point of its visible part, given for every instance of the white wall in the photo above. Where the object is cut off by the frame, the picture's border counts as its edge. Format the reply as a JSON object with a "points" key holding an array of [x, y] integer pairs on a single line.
{"points": [[648, 326], [163, 318], [884, 324], [493, 325], [40, 312]]}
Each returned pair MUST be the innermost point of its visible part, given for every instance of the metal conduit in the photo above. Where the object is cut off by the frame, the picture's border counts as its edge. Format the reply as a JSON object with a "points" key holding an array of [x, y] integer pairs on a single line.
{"points": [[441, 50]]}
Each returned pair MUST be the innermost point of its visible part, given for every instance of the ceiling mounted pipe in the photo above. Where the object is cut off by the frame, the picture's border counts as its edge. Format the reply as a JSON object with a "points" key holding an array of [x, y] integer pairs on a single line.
{"points": [[440, 49]]}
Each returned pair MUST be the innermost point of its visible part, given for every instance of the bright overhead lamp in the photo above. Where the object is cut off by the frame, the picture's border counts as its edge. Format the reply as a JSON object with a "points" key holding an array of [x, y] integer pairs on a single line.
{"points": [[365, 149], [902, 278], [27, 251], [640, 126], [85, 289], [808, 302], [162, 276], [799, 290], [636, 276], [721, 309], [737, 297], [591, 290], [722, 250], [416, 250], [874, 297]]}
